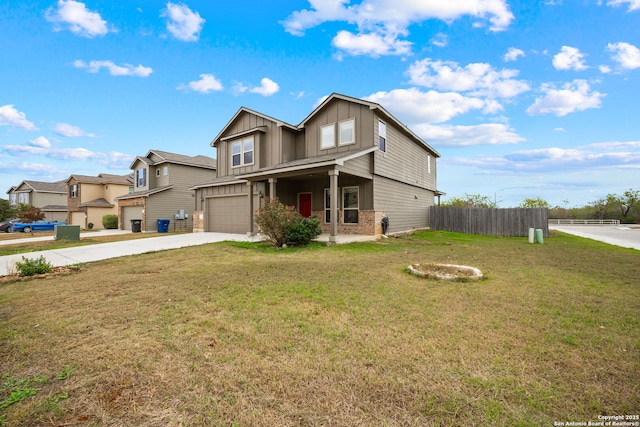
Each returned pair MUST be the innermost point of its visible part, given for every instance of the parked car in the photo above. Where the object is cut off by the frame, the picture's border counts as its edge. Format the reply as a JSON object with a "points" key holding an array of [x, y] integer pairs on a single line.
{"points": [[41, 225], [7, 224]]}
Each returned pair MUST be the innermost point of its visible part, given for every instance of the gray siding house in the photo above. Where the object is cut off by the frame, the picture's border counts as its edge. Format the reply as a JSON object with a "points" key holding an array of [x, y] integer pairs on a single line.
{"points": [[161, 189], [350, 162], [49, 197]]}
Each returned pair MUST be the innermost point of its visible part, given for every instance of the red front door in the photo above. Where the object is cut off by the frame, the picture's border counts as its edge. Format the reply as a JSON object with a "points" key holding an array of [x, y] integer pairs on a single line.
{"points": [[304, 204]]}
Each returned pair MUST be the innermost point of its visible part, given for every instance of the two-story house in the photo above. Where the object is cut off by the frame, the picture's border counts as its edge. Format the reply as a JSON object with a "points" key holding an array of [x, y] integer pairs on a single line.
{"points": [[49, 197], [350, 162], [92, 197], [162, 183]]}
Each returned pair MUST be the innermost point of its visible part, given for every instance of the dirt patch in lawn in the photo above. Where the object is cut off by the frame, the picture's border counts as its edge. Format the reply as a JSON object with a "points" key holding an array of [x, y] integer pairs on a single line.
{"points": [[445, 271]]}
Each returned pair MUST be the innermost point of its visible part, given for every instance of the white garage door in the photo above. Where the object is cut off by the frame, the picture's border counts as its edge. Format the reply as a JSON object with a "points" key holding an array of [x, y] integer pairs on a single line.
{"points": [[228, 214], [129, 213]]}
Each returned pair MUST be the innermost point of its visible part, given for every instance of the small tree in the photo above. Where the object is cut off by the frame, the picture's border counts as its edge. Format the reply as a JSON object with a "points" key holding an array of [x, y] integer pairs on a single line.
{"points": [[470, 201], [274, 219], [6, 210], [32, 214], [535, 202]]}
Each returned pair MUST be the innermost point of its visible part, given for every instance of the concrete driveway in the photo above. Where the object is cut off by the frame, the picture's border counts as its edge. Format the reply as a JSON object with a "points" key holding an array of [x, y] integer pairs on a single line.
{"points": [[619, 235], [100, 251]]}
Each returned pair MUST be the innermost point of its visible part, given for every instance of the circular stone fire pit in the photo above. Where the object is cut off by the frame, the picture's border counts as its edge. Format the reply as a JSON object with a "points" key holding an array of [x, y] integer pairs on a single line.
{"points": [[445, 271]]}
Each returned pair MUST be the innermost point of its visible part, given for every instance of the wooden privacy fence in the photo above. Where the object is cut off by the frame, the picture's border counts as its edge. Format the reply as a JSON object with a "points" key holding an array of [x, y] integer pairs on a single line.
{"points": [[493, 222]]}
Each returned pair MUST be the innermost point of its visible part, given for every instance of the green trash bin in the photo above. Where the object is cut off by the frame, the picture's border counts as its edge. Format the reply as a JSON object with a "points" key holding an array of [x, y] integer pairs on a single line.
{"points": [[163, 225]]}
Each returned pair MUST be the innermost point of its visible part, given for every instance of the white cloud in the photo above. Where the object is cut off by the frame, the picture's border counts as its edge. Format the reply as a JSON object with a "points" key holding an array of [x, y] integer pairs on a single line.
{"points": [[9, 116], [574, 96], [183, 23], [207, 83], [381, 22], [267, 87], [554, 158], [68, 130], [371, 44], [440, 40], [33, 169], [604, 69], [415, 107], [569, 58], [40, 142], [465, 136], [625, 54], [610, 145], [112, 159], [114, 70], [77, 18], [479, 79], [513, 54], [633, 4]]}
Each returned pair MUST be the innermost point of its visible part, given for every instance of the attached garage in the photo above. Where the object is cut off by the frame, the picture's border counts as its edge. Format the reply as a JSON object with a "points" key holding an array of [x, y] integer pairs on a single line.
{"points": [[228, 214], [129, 213]]}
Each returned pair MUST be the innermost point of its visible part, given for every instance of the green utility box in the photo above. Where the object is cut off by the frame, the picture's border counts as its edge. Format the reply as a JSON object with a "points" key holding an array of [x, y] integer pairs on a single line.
{"points": [[66, 232]]}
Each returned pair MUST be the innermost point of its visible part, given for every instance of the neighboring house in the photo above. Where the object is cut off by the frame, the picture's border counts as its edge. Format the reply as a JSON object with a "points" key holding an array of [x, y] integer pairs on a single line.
{"points": [[49, 197], [162, 184], [350, 162], [92, 197]]}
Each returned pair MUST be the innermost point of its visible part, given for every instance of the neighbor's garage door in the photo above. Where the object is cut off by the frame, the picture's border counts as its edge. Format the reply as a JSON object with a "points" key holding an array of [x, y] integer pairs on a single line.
{"points": [[228, 214], [129, 213]]}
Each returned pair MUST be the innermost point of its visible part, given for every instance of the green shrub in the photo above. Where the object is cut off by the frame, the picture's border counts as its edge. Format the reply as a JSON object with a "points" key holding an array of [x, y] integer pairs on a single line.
{"points": [[110, 222], [31, 267], [274, 219], [303, 230]]}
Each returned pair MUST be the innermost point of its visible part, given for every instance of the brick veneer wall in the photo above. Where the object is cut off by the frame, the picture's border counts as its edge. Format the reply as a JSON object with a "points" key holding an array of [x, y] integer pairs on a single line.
{"points": [[198, 221], [138, 201], [368, 223]]}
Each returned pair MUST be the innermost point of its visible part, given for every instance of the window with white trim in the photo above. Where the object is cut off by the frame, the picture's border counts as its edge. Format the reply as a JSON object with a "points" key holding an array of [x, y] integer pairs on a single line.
{"points": [[350, 205], [429, 164], [23, 198], [73, 190], [347, 130], [242, 152], [165, 170], [13, 198], [327, 137], [382, 136]]}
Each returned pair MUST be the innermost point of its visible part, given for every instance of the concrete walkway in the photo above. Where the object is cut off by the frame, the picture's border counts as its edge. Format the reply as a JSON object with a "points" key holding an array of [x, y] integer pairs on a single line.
{"points": [[101, 251], [619, 235]]}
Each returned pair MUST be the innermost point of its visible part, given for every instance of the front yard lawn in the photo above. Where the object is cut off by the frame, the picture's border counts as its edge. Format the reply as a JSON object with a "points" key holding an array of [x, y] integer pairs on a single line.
{"points": [[248, 335]]}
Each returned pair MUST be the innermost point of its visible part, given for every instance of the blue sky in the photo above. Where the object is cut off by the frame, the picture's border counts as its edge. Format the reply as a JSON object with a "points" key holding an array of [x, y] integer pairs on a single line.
{"points": [[522, 99]]}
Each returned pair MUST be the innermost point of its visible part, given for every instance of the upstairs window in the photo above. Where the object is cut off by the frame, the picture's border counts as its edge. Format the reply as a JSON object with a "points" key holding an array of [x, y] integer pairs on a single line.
{"points": [[429, 163], [73, 190], [141, 177], [13, 198], [327, 137], [382, 136], [23, 198], [165, 170], [347, 132], [242, 152]]}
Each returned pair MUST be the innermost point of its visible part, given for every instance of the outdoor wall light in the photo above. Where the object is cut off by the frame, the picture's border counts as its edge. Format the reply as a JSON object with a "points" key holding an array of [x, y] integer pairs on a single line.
{"points": [[260, 194]]}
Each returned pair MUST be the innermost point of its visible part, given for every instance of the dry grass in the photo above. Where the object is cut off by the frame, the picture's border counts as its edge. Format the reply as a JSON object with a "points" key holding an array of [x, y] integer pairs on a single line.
{"points": [[242, 334]]}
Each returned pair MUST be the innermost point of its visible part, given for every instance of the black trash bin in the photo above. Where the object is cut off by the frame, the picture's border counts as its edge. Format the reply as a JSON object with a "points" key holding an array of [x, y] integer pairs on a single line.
{"points": [[163, 225], [136, 225]]}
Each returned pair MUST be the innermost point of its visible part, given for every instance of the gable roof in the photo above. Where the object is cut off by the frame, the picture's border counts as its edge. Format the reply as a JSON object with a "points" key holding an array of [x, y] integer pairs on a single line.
{"points": [[146, 193], [180, 159], [103, 178], [372, 106], [41, 187], [97, 203], [323, 104], [242, 110]]}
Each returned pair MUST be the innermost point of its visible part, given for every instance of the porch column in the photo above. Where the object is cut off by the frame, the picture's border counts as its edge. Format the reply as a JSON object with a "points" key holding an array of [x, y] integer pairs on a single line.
{"points": [[272, 188], [251, 232], [333, 202]]}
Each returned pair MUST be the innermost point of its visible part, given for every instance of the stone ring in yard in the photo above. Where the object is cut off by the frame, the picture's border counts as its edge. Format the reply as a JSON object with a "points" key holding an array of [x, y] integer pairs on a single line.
{"points": [[445, 271]]}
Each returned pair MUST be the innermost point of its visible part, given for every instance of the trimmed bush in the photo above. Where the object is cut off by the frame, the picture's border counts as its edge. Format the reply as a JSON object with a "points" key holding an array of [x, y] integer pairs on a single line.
{"points": [[31, 267], [110, 222], [303, 230], [284, 226]]}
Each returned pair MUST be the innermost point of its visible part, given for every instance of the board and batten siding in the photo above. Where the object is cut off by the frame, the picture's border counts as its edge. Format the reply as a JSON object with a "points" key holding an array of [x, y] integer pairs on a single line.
{"points": [[406, 206], [266, 145], [334, 113]]}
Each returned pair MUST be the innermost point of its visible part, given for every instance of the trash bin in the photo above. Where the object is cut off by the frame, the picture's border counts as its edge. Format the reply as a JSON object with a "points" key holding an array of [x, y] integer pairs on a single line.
{"points": [[163, 225], [136, 225]]}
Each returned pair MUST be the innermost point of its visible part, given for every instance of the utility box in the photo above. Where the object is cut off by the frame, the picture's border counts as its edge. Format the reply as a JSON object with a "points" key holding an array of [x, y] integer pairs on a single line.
{"points": [[66, 232]]}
